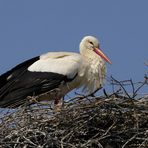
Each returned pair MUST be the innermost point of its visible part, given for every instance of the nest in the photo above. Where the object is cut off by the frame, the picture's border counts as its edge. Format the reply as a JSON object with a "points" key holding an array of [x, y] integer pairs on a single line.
{"points": [[109, 121]]}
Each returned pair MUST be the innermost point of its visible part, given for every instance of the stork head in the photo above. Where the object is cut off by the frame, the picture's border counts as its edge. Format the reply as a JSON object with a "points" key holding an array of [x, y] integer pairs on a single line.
{"points": [[90, 44]]}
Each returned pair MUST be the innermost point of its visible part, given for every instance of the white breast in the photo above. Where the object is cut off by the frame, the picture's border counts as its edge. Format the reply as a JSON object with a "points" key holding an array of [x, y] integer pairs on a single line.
{"points": [[93, 75]]}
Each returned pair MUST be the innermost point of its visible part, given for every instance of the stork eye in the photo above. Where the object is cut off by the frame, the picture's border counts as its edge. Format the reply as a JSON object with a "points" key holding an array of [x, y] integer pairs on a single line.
{"points": [[91, 43]]}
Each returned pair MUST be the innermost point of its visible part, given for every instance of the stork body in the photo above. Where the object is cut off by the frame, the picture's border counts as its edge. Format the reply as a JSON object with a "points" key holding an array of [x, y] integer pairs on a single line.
{"points": [[52, 75]]}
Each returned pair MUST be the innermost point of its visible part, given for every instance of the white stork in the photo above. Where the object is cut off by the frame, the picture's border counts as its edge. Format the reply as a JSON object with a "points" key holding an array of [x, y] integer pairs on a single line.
{"points": [[52, 75]]}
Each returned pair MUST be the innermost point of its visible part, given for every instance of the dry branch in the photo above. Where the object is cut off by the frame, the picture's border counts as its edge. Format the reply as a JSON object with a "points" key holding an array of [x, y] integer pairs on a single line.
{"points": [[116, 120]]}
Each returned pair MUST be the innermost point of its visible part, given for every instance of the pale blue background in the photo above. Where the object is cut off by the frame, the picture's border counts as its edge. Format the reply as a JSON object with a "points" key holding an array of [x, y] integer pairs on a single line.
{"points": [[31, 27]]}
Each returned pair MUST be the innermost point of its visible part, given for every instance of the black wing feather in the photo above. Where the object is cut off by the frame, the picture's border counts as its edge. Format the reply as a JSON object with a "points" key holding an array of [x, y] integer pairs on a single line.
{"points": [[18, 83], [14, 92], [16, 71]]}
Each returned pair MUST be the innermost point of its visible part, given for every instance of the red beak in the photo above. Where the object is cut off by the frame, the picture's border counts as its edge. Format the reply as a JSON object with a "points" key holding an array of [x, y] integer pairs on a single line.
{"points": [[102, 55]]}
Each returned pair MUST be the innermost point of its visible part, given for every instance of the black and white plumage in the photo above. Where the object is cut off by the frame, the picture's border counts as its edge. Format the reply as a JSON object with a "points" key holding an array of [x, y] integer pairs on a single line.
{"points": [[54, 74]]}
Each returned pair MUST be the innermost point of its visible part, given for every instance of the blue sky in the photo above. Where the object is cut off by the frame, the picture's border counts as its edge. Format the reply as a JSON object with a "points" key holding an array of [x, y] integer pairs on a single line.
{"points": [[31, 27]]}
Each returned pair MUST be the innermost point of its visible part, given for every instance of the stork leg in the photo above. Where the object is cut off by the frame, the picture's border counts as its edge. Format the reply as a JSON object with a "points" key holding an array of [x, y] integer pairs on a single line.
{"points": [[58, 103]]}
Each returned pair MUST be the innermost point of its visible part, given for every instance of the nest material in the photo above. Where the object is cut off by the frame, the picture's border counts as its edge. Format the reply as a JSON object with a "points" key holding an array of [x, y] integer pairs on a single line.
{"points": [[110, 121], [85, 122]]}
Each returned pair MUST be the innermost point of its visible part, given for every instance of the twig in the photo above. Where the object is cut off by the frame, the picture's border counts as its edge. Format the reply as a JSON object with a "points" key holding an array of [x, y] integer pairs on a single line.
{"points": [[142, 144], [122, 87], [129, 140], [135, 93], [107, 130], [133, 88], [17, 141], [64, 138], [29, 141]]}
